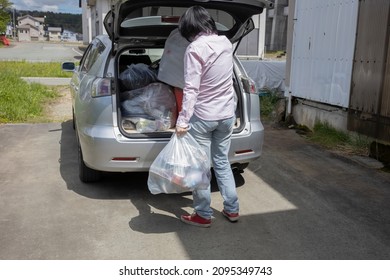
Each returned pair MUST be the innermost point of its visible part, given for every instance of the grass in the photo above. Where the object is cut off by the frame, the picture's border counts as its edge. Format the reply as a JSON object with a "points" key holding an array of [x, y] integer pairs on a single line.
{"points": [[322, 134], [327, 136], [36, 69], [21, 101]]}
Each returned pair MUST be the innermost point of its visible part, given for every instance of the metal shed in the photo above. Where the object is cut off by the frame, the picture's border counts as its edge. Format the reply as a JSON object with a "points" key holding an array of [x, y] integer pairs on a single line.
{"points": [[369, 109], [339, 70]]}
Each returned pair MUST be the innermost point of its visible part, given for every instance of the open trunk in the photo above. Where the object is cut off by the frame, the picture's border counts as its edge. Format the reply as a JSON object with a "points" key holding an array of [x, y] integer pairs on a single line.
{"points": [[147, 106]]}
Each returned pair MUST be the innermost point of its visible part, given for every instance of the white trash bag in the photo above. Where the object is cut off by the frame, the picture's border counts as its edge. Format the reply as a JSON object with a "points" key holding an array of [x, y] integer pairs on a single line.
{"points": [[171, 68], [182, 166]]}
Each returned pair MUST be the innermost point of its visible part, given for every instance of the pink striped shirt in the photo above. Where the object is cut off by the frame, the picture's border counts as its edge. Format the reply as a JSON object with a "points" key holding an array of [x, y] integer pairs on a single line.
{"points": [[208, 90]]}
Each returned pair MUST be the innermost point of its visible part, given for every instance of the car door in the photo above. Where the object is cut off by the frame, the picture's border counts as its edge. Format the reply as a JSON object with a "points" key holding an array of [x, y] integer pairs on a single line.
{"points": [[78, 75], [84, 77]]}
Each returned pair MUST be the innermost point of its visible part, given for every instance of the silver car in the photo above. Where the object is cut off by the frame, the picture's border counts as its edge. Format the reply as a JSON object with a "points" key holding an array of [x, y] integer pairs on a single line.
{"points": [[121, 121]]}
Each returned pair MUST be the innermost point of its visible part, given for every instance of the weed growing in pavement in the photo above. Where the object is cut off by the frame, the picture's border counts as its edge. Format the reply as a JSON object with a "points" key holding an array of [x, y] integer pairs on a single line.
{"points": [[322, 133], [268, 100], [329, 137]]}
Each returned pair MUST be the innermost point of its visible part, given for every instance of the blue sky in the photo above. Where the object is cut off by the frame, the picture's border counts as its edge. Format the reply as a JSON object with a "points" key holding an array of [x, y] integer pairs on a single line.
{"points": [[56, 6]]}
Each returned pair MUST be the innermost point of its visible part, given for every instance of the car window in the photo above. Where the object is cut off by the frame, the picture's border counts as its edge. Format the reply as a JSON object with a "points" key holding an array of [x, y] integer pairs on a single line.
{"points": [[85, 55], [92, 54], [170, 15]]}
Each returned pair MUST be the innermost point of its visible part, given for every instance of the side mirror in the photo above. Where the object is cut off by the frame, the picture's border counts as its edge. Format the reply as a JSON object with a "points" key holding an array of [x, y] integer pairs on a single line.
{"points": [[68, 66]]}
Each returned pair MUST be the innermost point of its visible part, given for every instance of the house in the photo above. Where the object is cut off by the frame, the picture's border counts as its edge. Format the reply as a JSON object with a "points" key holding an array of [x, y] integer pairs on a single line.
{"points": [[68, 36], [276, 26], [30, 28], [54, 33], [338, 65], [93, 13]]}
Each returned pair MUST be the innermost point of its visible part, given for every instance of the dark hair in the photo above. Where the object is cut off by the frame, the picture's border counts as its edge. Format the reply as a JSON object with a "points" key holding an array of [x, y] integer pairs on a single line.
{"points": [[194, 21]]}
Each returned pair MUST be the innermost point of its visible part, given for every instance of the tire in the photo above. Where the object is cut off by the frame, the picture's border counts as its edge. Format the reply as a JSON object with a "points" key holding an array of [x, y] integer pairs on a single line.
{"points": [[239, 168], [86, 174]]}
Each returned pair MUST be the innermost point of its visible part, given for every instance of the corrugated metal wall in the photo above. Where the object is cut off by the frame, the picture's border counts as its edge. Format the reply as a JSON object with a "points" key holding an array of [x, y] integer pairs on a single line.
{"points": [[385, 108], [369, 110], [322, 51]]}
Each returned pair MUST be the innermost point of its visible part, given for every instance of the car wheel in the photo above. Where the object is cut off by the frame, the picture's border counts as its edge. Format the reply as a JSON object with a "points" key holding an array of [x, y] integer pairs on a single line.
{"points": [[86, 174], [239, 168]]}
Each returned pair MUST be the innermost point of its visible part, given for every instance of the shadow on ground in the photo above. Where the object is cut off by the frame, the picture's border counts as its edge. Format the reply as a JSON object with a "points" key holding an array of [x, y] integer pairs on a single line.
{"points": [[338, 214]]}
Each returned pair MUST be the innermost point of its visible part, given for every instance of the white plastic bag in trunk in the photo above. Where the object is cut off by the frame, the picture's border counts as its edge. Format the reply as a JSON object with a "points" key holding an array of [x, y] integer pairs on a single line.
{"points": [[171, 69]]}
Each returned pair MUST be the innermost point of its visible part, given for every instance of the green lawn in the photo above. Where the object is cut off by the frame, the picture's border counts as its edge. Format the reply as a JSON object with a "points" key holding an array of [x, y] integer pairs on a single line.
{"points": [[34, 69], [21, 101]]}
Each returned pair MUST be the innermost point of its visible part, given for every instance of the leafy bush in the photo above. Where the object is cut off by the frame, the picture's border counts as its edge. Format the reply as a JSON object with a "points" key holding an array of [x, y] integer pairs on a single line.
{"points": [[268, 100]]}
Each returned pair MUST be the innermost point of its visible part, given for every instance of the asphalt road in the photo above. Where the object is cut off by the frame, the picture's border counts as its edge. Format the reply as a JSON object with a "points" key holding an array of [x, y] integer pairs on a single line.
{"points": [[297, 202], [41, 51]]}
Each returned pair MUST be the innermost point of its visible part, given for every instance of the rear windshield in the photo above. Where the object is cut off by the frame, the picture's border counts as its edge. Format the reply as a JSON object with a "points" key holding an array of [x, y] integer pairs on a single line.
{"points": [[152, 16]]}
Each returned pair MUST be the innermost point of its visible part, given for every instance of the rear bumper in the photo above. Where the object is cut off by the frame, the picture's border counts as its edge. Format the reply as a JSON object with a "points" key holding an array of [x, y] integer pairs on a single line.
{"points": [[247, 146], [106, 149]]}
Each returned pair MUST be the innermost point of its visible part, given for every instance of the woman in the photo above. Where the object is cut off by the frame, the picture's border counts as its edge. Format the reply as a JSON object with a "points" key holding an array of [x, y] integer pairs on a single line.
{"points": [[208, 109]]}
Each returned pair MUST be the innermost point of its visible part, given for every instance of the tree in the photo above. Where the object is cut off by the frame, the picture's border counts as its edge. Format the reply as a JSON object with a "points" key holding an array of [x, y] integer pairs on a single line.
{"points": [[4, 15]]}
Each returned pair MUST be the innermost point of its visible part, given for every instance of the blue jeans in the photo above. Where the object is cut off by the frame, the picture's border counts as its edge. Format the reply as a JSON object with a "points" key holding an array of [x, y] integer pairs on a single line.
{"points": [[214, 138]]}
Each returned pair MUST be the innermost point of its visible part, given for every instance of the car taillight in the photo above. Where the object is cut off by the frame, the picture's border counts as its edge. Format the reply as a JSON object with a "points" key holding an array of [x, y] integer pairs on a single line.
{"points": [[249, 85], [252, 87], [101, 87]]}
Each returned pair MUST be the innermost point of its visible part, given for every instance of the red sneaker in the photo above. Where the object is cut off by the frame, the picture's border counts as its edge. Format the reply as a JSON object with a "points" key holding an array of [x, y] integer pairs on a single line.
{"points": [[195, 220], [233, 217]]}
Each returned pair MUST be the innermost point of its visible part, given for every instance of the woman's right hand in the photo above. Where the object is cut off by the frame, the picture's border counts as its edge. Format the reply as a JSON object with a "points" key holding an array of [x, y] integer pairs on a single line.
{"points": [[181, 131]]}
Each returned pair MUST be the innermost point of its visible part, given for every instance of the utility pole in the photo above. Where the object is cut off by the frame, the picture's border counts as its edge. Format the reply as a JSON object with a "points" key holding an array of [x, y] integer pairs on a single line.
{"points": [[13, 24]]}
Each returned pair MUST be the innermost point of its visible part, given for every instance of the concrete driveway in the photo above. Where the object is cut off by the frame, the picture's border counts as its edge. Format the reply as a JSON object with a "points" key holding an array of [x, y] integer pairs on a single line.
{"points": [[297, 202]]}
